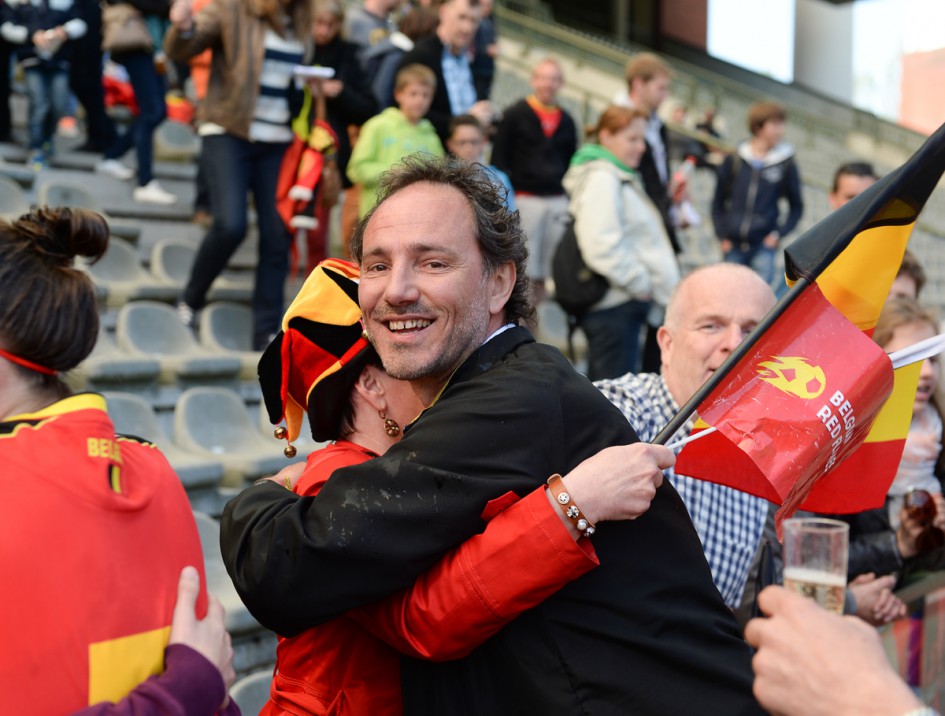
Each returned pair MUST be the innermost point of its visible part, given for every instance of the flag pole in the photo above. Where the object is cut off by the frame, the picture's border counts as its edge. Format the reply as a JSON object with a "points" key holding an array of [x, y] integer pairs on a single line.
{"points": [[686, 411]]}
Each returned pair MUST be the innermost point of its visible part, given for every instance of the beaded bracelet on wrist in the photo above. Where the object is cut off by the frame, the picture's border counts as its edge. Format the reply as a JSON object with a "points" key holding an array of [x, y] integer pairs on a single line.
{"points": [[571, 511]]}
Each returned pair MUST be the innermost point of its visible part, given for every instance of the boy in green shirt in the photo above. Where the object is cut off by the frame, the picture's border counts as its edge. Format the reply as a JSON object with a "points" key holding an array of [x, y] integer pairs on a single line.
{"points": [[395, 133]]}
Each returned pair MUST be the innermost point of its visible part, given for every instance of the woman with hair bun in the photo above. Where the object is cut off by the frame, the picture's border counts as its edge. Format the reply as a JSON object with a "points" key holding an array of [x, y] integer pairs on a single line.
{"points": [[621, 237], [95, 528]]}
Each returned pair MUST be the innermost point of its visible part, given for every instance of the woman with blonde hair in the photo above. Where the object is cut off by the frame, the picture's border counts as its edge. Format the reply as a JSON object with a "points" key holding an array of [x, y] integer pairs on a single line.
{"points": [[621, 237]]}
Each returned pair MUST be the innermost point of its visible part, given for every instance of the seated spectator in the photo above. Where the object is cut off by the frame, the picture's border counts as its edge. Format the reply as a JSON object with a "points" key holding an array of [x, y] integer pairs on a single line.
{"points": [[467, 141], [395, 133], [43, 34], [96, 527], [752, 182]]}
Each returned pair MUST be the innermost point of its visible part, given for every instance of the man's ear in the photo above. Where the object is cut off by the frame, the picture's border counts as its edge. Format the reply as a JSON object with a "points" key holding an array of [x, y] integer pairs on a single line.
{"points": [[501, 284], [664, 337]]}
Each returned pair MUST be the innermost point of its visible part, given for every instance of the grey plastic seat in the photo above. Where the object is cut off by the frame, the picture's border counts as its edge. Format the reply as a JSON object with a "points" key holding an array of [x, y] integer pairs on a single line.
{"points": [[13, 203], [22, 175], [107, 366], [227, 328], [147, 328], [252, 692], [56, 192], [172, 259], [133, 415], [175, 141], [238, 619], [215, 422], [120, 273]]}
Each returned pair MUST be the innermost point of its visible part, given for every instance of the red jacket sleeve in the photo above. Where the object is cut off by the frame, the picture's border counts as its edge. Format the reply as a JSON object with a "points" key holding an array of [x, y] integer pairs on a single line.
{"points": [[524, 555]]}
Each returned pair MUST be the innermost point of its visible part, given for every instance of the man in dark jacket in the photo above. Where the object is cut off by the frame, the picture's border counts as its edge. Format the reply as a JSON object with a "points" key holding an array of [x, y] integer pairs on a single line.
{"points": [[442, 290], [751, 185], [446, 52], [533, 144], [648, 78]]}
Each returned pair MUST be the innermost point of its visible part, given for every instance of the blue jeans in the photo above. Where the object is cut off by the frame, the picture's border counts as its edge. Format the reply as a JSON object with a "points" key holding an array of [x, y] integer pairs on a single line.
{"points": [[613, 339], [48, 89], [758, 257], [233, 167], [148, 86]]}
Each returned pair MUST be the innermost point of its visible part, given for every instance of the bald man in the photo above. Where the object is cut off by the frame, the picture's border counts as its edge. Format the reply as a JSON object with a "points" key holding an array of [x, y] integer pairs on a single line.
{"points": [[708, 316]]}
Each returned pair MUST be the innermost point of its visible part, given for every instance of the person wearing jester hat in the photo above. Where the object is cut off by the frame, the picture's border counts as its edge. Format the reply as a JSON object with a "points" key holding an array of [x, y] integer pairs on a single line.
{"points": [[321, 365]]}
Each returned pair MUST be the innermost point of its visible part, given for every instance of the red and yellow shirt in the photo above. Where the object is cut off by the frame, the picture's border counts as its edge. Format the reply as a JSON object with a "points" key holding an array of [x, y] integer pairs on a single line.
{"points": [[94, 531]]}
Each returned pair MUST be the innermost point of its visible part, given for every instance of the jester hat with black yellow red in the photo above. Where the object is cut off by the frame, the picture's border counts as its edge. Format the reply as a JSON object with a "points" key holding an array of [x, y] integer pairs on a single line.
{"points": [[315, 360]]}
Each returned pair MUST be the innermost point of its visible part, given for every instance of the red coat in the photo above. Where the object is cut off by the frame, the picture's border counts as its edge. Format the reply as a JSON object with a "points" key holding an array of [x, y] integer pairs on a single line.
{"points": [[347, 666], [94, 531]]}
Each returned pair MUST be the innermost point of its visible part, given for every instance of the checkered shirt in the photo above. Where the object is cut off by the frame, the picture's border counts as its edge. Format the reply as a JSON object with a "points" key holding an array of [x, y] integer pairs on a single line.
{"points": [[729, 522]]}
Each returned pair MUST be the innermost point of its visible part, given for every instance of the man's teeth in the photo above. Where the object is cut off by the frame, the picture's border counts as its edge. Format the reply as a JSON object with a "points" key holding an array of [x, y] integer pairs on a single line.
{"points": [[407, 325]]}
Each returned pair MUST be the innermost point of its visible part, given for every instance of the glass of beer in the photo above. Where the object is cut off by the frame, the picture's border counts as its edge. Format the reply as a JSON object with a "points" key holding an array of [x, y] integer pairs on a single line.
{"points": [[815, 559]]}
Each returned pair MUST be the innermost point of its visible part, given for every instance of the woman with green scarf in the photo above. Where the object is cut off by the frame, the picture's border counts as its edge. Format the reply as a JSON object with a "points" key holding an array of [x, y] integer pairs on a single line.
{"points": [[621, 236]]}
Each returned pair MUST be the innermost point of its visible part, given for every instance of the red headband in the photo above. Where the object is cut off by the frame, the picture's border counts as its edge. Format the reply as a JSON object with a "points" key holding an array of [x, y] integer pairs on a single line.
{"points": [[26, 363]]}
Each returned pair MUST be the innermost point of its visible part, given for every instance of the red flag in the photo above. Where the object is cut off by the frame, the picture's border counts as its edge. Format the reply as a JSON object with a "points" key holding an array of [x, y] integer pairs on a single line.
{"points": [[852, 257], [795, 406]]}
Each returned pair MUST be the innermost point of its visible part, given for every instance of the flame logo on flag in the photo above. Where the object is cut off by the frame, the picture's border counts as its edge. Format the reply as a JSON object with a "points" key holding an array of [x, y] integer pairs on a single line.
{"points": [[793, 375]]}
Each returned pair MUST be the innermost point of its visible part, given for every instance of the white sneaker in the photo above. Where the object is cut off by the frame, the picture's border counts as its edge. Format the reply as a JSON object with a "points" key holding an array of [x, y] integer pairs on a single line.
{"points": [[114, 168], [153, 193]]}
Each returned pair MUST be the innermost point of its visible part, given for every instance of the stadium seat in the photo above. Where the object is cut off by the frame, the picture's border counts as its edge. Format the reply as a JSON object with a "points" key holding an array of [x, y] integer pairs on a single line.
{"points": [[146, 328], [121, 276], [22, 175], [133, 415], [107, 366], [252, 692], [238, 619], [172, 259], [13, 202], [215, 422], [56, 192], [176, 142], [228, 328]]}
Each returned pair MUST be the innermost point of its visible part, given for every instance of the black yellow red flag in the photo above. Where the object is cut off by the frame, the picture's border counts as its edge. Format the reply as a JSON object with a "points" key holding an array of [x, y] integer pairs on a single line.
{"points": [[851, 258]]}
